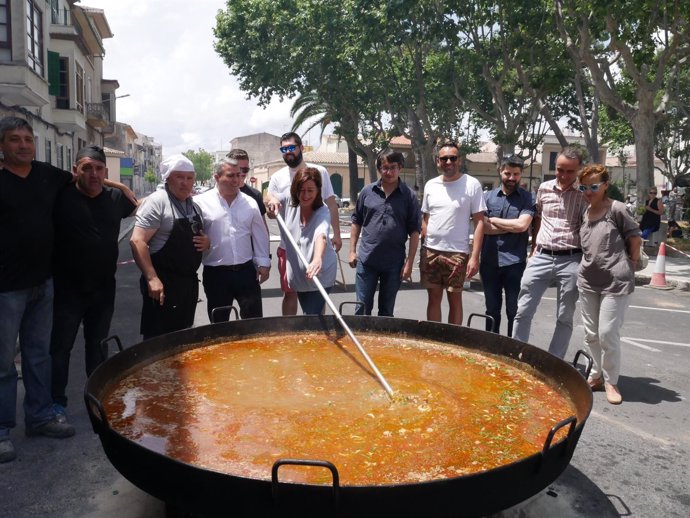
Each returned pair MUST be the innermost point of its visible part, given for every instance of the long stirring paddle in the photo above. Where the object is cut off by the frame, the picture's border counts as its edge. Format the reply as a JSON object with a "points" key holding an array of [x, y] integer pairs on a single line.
{"points": [[335, 311]]}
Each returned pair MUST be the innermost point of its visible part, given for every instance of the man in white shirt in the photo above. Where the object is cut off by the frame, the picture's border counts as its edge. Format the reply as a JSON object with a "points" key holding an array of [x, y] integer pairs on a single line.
{"points": [[237, 261], [279, 186], [450, 201]]}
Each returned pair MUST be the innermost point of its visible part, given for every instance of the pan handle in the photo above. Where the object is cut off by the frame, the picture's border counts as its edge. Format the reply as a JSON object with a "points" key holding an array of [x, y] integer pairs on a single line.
{"points": [[231, 309], [552, 433], [99, 421], [275, 483], [590, 361], [350, 303], [104, 345], [480, 315]]}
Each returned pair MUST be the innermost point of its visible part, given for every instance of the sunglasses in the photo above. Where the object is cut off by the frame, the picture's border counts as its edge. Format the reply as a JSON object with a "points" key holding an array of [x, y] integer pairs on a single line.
{"points": [[244, 170], [448, 158], [288, 149], [593, 187]]}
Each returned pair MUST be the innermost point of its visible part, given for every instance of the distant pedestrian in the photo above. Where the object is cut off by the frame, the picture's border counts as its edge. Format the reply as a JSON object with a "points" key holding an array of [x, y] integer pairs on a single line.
{"points": [[450, 202], [555, 258], [87, 223], [651, 219], [308, 221], [675, 204], [279, 187], [387, 212], [167, 242], [606, 277], [509, 213], [237, 261]]}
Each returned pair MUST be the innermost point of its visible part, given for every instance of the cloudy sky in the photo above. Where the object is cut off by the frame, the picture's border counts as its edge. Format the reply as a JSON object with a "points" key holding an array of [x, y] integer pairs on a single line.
{"points": [[180, 91]]}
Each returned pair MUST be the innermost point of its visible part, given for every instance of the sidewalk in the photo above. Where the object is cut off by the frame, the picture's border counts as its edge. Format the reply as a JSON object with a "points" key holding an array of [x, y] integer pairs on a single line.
{"points": [[677, 272]]}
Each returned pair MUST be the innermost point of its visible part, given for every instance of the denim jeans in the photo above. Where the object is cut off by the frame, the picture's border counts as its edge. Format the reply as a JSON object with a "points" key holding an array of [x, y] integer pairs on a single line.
{"points": [[28, 314], [312, 302], [495, 281], [543, 270], [366, 280]]}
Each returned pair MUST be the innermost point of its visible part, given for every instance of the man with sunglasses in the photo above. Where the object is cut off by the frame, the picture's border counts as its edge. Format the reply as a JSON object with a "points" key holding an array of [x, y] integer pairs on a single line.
{"points": [[167, 242], [242, 158], [509, 214], [279, 188], [556, 252], [450, 201]]}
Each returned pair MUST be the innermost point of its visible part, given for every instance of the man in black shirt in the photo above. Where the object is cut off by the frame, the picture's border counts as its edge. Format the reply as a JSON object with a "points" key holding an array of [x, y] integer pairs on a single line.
{"points": [[87, 223], [28, 190]]}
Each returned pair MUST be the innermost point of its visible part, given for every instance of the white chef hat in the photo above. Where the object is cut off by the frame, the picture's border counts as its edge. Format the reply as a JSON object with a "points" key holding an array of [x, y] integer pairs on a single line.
{"points": [[178, 163]]}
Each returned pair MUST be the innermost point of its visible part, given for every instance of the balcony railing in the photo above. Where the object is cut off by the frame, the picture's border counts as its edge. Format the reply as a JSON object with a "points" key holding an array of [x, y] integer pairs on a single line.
{"points": [[60, 17], [97, 112]]}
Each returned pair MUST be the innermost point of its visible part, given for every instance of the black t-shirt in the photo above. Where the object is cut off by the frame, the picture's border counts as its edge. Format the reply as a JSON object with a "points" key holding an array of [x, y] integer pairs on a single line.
{"points": [[26, 225], [256, 194], [86, 231]]}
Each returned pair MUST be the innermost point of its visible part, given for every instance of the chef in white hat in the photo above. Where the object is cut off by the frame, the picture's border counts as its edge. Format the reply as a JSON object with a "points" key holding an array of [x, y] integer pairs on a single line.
{"points": [[167, 242]]}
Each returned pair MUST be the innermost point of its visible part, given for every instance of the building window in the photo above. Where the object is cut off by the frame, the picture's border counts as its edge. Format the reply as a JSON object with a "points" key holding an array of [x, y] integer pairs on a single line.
{"points": [[60, 156], [5, 32], [79, 85], [49, 151], [552, 160], [62, 97], [69, 158], [34, 37]]}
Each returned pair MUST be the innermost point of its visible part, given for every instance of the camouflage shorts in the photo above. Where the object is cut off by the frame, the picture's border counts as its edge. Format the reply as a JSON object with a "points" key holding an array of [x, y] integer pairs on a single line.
{"points": [[444, 269]]}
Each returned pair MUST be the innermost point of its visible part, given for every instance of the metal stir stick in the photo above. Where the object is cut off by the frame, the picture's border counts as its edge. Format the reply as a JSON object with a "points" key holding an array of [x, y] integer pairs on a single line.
{"points": [[335, 311]]}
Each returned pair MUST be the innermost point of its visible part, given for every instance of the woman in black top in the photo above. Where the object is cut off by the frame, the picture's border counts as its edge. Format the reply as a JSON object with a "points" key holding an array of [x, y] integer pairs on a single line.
{"points": [[651, 219]]}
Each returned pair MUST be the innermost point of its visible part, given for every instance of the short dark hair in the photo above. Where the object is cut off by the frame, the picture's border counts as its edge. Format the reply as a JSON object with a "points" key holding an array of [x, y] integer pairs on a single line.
{"points": [[390, 156], [511, 161], [449, 143], [573, 153], [291, 135], [13, 123], [92, 151], [238, 154], [302, 176]]}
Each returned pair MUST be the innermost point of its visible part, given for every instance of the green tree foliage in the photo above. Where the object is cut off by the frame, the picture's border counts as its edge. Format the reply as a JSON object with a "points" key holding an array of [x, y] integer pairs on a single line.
{"points": [[203, 164], [634, 51], [150, 177]]}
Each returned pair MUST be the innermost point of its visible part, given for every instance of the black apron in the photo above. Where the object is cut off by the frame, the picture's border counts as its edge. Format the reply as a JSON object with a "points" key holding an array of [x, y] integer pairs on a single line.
{"points": [[176, 265]]}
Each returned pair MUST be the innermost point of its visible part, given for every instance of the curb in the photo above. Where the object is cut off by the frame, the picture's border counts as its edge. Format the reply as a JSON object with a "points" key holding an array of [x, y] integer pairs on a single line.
{"points": [[674, 282]]}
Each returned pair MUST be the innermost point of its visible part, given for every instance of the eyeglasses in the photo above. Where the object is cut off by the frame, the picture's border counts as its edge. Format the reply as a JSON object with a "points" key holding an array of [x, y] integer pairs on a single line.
{"points": [[451, 158], [593, 187], [244, 170], [390, 168], [288, 149], [652, 192]]}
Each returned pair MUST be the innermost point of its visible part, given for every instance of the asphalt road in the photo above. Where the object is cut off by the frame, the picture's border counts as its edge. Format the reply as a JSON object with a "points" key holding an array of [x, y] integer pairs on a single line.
{"points": [[632, 459]]}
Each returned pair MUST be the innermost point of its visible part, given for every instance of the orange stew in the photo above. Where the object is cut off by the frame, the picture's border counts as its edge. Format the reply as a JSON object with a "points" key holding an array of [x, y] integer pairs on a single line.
{"points": [[237, 407]]}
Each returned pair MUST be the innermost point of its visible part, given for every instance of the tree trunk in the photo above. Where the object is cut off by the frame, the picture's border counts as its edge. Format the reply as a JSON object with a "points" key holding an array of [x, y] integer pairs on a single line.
{"points": [[643, 129], [353, 174]]}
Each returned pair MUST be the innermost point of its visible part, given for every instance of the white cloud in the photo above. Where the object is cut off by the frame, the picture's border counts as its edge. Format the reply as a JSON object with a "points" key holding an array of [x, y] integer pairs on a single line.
{"points": [[181, 93]]}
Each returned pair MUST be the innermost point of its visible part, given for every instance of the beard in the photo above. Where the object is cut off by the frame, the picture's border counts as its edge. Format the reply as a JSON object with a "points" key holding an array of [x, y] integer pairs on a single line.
{"points": [[294, 160]]}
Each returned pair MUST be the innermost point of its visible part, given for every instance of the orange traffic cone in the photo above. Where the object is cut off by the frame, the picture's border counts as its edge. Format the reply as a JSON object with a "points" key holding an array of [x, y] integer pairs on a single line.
{"points": [[659, 276]]}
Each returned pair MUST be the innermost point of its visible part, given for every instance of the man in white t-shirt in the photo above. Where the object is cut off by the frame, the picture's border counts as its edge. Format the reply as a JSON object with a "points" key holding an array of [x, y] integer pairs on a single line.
{"points": [[446, 260], [279, 186]]}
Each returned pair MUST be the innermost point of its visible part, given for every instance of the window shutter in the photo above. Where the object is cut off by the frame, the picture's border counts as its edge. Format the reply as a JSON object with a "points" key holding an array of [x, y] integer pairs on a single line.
{"points": [[53, 73]]}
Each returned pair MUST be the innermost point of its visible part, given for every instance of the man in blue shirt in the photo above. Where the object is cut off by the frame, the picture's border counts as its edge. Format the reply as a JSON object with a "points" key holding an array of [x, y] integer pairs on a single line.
{"points": [[509, 214], [387, 212]]}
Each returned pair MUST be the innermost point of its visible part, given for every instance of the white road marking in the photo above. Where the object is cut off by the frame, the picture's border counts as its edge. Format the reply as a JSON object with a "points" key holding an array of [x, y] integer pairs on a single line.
{"points": [[637, 344], [642, 307], [662, 342], [644, 435]]}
